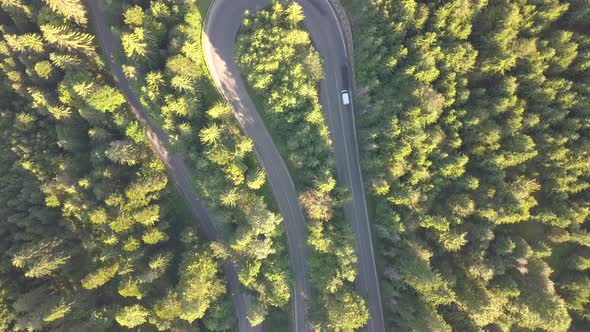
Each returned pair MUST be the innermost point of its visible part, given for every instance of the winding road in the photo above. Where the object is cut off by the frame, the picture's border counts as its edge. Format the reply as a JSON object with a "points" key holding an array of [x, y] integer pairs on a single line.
{"points": [[324, 21], [177, 169], [220, 30]]}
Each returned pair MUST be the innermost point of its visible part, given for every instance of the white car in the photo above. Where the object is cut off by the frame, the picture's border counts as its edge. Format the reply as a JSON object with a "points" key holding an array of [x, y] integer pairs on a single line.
{"points": [[345, 97]]}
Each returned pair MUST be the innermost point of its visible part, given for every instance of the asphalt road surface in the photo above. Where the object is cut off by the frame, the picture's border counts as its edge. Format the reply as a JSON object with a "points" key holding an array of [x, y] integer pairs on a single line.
{"points": [[176, 167], [220, 30], [328, 35]]}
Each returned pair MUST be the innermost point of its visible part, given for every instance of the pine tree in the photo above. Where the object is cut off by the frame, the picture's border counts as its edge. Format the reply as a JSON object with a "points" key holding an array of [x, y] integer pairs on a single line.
{"points": [[210, 135], [346, 311], [71, 9], [132, 316], [138, 43], [40, 259], [29, 42], [100, 277], [67, 39]]}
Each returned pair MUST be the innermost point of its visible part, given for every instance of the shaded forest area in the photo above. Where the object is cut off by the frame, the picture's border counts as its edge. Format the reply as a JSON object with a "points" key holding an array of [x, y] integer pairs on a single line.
{"points": [[94, 237], [163, 59], [474, 120], [283, 70]]}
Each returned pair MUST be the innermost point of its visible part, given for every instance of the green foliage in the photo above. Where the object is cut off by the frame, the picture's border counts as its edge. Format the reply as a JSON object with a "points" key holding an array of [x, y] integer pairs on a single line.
{"points": [[58, 312], [6, 317], [85, 204], [100, 277], [217, 317], [30, 42], [134, 16], [318, 205], [71, 9], [106, 99], [199, 286], [44, 69], [132, 316], [135, 44], [130, 288], [173, 84], [153, 236], [124, 152], [257, 312], [346, 311], [67, 39], [40, 259], [284, 70], [474, 138]]}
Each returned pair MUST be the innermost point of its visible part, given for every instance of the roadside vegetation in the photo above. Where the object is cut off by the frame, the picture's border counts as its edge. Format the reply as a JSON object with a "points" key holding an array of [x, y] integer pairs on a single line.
{"points": [[283, 70], [93, 237], [474, 132], [475, 138], [163, 59]]}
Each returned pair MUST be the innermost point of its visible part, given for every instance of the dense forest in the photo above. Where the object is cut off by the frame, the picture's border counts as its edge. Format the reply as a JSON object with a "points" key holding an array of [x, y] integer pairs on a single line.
{"points": [[94, 237], [283, 71], [474, 129], [162, 57], [474, 120]]}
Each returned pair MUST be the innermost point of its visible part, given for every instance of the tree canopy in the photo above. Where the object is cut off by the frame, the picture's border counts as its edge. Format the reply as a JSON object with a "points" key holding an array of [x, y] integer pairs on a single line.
{"points": [[163, 59], [280, 64], [95, 238], [474, 134]]}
